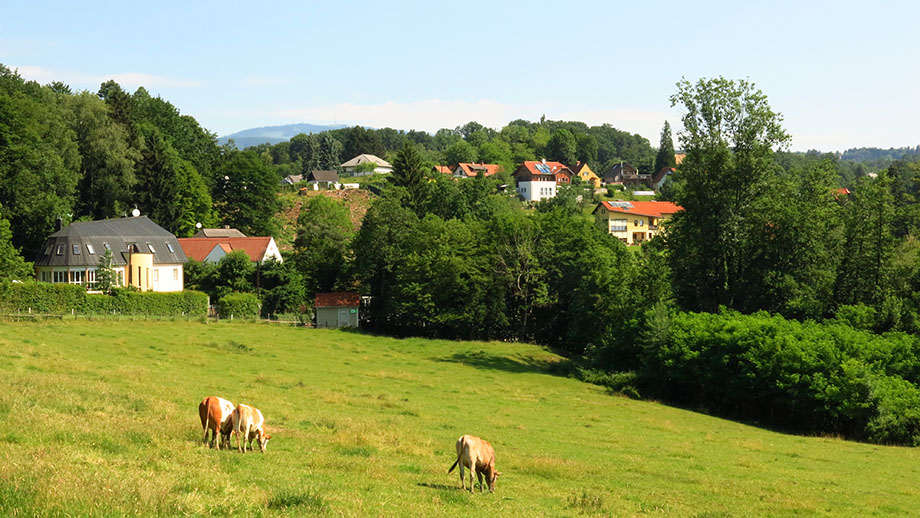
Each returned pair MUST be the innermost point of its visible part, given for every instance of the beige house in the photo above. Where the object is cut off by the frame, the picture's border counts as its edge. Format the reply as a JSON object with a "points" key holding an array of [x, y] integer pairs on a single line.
{"points": [[144, 254], [633, 222]]}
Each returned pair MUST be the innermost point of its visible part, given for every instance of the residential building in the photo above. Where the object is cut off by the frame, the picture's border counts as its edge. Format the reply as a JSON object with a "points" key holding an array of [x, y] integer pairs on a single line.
{"points": [[634, 221], [144, 254], [538, 180], [661, 177], [587, 176], [380, 165], [225, 231], [213, 249], [324, 178], [442, 169], [472, 170], [626, 174], [291, 179]]}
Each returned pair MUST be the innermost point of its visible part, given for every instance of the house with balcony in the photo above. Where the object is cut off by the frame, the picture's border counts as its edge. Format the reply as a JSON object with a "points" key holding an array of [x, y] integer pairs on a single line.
{"points": [[634, 222], [538, 180]]}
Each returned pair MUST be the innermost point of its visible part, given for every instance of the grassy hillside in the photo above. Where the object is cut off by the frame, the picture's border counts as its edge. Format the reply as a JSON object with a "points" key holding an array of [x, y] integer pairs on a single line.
{"points": [[100, 419]]}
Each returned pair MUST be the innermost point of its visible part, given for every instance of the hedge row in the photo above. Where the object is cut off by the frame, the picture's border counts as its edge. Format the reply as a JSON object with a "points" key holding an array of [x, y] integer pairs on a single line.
{"points": [[47, 298], [239, 305], [815, 377]]}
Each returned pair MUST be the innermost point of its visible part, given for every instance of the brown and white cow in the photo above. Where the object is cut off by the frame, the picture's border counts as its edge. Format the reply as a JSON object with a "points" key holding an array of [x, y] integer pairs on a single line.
{"points": [[215, 413], [248, 421], [478, 456]]}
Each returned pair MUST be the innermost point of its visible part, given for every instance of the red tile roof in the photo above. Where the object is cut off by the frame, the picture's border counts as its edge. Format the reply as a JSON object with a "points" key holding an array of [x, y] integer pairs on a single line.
{"points": [[339, 299], [198, 248], [472, 169], [444, 169], [656, 209], [554, 167]]}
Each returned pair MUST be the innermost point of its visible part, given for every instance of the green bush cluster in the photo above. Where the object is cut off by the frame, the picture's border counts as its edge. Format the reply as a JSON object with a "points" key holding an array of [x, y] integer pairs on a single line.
{"points": [[239, 305], [816, 377], [46, 298]]}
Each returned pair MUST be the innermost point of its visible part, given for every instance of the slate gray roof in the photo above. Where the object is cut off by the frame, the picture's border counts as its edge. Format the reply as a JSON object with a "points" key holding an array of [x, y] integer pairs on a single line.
{"points": [[219, 232], [116, 234], [323, 176]]}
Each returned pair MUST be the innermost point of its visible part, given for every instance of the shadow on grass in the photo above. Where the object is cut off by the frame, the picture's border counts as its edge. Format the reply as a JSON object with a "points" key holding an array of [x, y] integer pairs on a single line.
{"points": [[484, 360], [440, 487]]}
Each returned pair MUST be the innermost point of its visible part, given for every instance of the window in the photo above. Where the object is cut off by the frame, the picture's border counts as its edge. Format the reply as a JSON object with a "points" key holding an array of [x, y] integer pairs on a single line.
{"points": [[90, 248], [60, 276], [105, 245], [156, 275], [76, 249], [170, 248], [132, 247], [175, 274], [46, 276], [91, 277], [152, 251], [60, 250]]}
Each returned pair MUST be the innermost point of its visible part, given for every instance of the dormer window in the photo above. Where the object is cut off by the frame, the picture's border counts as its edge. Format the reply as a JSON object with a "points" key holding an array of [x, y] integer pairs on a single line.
{"points": [[60, 250], [76, 249]]}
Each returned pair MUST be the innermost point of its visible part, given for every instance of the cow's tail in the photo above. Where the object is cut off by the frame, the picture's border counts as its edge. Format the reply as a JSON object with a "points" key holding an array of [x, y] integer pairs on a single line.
{"points": [[454, 465]]}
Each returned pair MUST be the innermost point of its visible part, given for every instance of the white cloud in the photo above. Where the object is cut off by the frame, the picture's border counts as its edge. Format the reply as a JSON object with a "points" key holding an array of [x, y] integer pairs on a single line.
{"points": [[128, 80]]}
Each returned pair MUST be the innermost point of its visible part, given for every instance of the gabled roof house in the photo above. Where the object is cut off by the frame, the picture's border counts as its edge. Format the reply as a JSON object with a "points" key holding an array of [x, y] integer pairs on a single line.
{"points": [[634, 221], [380, 165], [537, 180], [213, 249]]}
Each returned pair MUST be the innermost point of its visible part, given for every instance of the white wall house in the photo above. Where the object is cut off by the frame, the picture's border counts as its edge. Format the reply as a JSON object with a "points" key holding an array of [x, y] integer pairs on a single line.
{"points": [[537, 189]]}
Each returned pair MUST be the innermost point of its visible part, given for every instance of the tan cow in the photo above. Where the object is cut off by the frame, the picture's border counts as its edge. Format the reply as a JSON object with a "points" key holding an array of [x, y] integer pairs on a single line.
{"points": [[248, 421], [215, 416], [478, 456]]}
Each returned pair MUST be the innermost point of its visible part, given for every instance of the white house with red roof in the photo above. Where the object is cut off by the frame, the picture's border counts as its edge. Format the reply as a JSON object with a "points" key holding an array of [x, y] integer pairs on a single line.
{"points": [[634, 221], [472, 170], [213, 249], [537, 180]]}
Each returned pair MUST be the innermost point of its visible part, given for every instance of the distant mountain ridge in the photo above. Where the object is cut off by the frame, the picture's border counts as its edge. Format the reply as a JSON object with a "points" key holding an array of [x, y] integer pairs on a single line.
{"points": [[273, 134]]}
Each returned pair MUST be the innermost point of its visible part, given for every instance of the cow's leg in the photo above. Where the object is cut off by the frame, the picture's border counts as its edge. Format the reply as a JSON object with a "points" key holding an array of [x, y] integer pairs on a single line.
{"points": [[462, 482], [479, 477], [471, 479]]}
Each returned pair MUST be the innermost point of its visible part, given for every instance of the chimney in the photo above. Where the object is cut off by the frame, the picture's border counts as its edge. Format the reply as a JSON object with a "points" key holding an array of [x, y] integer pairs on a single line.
{"points": [[59, 224], [544, 160]]}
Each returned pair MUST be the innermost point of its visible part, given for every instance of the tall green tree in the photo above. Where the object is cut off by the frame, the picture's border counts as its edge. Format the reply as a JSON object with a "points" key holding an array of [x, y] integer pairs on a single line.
{"points": [[12, 264], [409, 173], [562, 147], [729, 135], [39, 160], [245, 194], [665, 156], [321, 248], [108, 158], [869, 243]]}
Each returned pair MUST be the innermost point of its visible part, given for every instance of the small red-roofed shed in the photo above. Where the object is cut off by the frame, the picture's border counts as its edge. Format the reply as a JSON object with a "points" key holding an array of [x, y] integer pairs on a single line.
{"points": [[336, 310]]}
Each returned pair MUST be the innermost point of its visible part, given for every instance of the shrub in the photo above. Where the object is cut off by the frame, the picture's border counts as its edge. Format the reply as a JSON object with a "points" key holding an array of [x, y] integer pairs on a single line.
{"points": [[238, 305], [42, 297]]}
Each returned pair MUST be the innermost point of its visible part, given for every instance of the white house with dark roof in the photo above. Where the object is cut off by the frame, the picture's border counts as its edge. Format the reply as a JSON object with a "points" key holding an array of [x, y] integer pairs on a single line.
{"points": [[144, 254], [380, 165]]}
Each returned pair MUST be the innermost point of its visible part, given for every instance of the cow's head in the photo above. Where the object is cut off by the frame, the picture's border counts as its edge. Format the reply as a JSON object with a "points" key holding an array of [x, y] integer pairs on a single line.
{"points": [[492, 476], [263, 441]]}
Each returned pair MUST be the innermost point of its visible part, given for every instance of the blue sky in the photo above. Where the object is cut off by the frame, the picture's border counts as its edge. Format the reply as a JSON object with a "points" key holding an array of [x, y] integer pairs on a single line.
{"points": [[843, 74]]}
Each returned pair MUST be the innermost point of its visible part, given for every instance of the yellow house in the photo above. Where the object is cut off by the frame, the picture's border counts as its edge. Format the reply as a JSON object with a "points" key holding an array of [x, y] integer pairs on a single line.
{"points": [[633, 222], [586, 174]]}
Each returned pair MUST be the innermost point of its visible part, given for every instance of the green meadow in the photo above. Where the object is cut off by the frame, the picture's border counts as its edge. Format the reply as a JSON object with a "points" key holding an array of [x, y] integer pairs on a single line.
{"points": [[100, 419]]}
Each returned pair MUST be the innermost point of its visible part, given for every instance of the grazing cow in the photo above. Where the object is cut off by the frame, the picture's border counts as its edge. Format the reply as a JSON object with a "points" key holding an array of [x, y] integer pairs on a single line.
{"points": [[478, 456], [248, 421], [215, 416]]}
